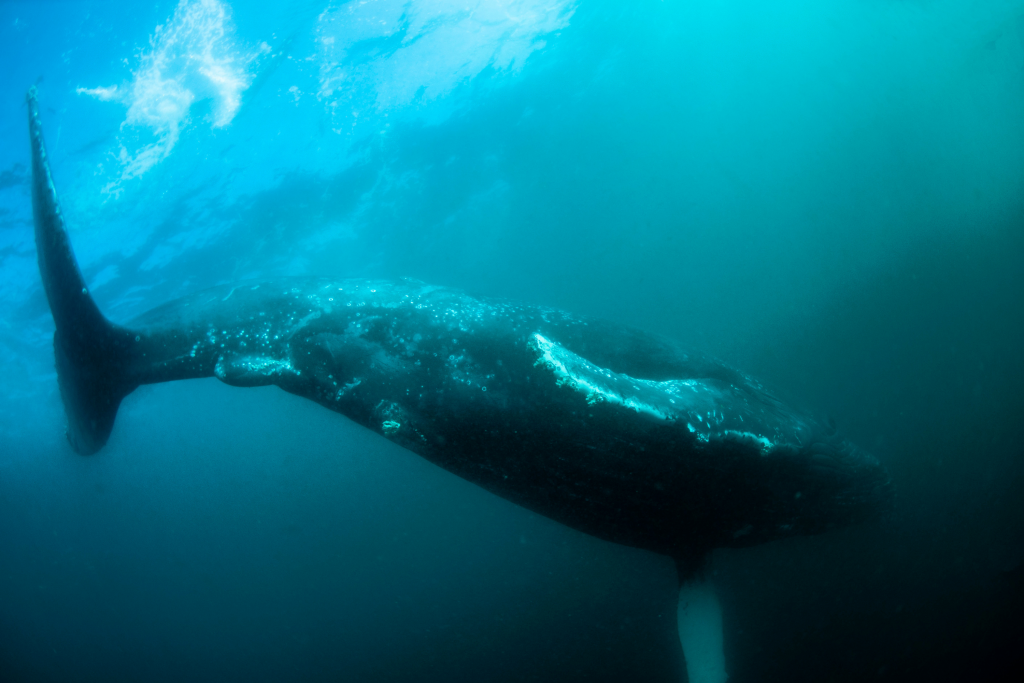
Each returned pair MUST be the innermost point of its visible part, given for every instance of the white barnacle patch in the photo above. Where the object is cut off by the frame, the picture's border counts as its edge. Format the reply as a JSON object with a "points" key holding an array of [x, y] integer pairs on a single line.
{"points": [[251, 371], [392, 416], [762, 442], [306, 320], [347, 388]]}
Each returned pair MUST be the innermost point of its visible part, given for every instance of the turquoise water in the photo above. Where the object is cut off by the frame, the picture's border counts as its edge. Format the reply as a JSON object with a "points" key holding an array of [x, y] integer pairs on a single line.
{"points": [[827, 195]]}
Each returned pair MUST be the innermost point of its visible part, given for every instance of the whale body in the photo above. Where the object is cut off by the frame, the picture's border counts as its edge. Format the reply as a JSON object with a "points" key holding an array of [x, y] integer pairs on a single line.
{"points": [[604, 428]]}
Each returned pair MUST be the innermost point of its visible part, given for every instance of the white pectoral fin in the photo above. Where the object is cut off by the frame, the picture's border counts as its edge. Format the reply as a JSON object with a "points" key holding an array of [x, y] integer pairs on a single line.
{"points": [[700, 632]]}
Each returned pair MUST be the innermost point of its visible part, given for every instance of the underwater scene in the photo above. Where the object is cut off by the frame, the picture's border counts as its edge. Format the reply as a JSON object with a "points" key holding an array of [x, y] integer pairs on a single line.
{"points": [[512, 340]]}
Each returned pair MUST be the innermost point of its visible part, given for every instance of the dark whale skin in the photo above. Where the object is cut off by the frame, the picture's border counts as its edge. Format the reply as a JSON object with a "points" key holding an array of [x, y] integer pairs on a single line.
{"points": [[602, 427], [609, 430]]}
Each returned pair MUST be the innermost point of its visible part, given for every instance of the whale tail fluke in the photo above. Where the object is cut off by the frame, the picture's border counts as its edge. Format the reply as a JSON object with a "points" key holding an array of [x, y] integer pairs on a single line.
{"points": [[92, 354]]}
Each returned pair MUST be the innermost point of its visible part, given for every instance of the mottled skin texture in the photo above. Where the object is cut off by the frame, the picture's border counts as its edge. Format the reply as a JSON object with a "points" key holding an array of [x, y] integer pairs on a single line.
{"points": [[602, 427]]}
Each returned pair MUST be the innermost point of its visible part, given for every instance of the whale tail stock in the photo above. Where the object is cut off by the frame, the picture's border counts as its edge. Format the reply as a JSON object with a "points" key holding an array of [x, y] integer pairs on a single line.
{"points": [[92, 354]]}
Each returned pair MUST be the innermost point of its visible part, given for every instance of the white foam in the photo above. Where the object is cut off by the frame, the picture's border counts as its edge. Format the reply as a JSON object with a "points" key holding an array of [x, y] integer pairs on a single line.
{"points": [[105, 94], [192, 57]]}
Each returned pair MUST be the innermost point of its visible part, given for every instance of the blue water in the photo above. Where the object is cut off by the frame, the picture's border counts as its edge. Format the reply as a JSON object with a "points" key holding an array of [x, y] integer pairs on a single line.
{"points": [[828, 195]]}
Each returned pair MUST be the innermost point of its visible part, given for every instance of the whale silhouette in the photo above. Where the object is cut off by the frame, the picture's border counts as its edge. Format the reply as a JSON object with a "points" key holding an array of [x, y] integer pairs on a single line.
{"points": [[604, 428]]}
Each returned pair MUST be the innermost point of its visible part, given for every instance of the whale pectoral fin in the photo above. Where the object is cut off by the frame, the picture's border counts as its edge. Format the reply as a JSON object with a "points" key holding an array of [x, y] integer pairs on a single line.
{"points": [[253, 371], [699, 618]]}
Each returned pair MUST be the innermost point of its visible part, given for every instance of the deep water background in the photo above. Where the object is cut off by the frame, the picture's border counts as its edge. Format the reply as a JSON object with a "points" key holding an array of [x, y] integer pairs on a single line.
{"points": [[828, 195]]}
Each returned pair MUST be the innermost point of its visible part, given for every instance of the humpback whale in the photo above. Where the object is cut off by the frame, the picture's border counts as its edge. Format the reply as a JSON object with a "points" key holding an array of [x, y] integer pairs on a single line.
{"points": [[607, 429]]}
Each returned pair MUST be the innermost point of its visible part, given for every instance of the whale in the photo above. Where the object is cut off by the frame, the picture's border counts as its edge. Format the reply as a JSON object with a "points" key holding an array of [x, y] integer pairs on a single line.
{"points": [[610, 430]]}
